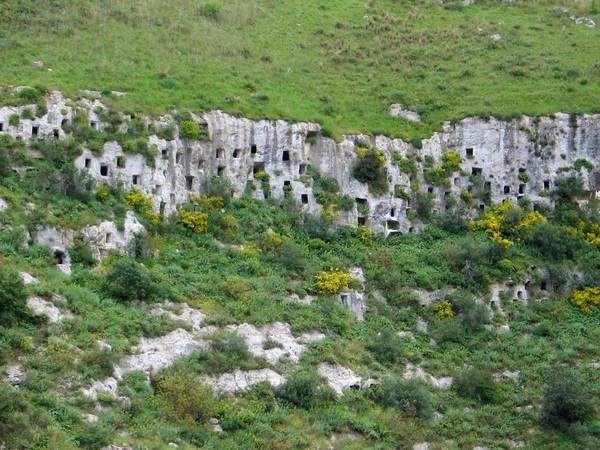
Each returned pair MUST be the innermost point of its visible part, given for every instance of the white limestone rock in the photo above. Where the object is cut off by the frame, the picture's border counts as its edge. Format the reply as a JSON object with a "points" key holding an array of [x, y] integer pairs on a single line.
{"points": [[278, 332], [28, 279], [339, 377], [397, 110], [107, 237], [242, 380], [40, 306], [15, 375], [153, 354]]}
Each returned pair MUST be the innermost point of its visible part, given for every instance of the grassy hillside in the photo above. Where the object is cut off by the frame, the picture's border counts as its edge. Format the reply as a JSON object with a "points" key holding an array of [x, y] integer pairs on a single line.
{"points": [[340, 62], [525, 373]]}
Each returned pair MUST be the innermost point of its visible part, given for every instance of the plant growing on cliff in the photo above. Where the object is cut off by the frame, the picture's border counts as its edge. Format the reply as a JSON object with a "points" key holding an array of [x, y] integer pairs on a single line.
{"points": [[12, 296], [332, 281], [129, 280], [194, 220], [369, 168]]}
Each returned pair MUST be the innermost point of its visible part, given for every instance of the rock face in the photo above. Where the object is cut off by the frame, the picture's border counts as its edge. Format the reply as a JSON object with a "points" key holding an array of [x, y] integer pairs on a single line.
{"points": [[499, 160]]}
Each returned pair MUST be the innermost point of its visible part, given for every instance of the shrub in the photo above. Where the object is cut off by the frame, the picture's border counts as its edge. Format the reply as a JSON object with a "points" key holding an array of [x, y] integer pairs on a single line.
{"points": [[565, 401], [14, 120], [332, 282], [138, 201], [409, 396], [210, 10], [581, 163], [443, 310], [369, 168], [189, 130], [386, 346], [303, 390], [478, 385], [184, 395], [195, 221], [586, 299], [128, 280], [13, 297]]}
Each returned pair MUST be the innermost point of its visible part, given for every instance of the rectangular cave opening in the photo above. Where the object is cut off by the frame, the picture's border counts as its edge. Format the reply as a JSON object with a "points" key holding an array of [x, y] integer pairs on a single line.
{"points": [[120, 162], [201, 164], [1, 126], [220, 171], [35, 129], [104, 170], [220, 153], [546, 184], [393, 225], [521, 189], [362, 221], [165, 153], [135, 179], [286, 155], [476, 171], [87, 162], [178, 157], [507, 189], [301, 169], [237, 153], [253, 149], [189, 182], [469, 152], [304, 199], [55, 133]]}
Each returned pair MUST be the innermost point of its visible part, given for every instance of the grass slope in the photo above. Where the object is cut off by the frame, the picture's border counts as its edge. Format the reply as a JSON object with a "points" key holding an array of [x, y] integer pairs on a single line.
{"points": [[341, 62]]}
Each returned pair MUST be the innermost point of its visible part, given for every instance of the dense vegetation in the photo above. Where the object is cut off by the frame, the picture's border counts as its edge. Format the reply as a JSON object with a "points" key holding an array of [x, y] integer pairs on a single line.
{"points": [[244, 263], [340, 62]]}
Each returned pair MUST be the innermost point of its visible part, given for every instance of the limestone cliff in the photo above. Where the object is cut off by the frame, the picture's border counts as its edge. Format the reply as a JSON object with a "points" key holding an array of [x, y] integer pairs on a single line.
{"points": [[499, 160]]}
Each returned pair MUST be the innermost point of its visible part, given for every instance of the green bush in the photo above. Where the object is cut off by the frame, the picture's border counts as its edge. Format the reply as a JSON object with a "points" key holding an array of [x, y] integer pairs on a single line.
{"points": [[128, 280], [369, 168], [189, 130], [477, 385], [565, 401], [386, 346], [14, 120], [409, 396], [183, 394], [303, 390], [13, 296]]}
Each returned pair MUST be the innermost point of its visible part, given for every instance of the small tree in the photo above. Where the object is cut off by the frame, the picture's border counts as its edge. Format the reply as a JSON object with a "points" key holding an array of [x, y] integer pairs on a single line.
{"points": [[185, 396], [409, 396], [128, 280], [13, 297], [386, 347], [565, 401], [478, 385]]}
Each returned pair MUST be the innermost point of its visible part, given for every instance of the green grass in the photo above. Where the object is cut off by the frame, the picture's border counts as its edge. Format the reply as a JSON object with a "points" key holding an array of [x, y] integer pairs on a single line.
{"points": [[341, 62]]}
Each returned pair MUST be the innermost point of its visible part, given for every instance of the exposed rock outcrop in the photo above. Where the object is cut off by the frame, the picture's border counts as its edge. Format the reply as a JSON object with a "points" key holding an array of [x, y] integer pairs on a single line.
{"points": [[499, 160]]}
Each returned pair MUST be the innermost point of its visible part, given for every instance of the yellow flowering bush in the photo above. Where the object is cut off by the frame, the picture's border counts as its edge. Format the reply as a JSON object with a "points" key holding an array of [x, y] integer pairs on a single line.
{"points": [[195, 221], [138, 201], [209, 202], [590, 231], [451, 160], [332, 282], [103, 193], [443, 310], [585, 299], [500, 229], [260, 175]]}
